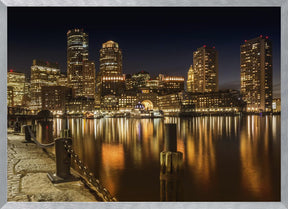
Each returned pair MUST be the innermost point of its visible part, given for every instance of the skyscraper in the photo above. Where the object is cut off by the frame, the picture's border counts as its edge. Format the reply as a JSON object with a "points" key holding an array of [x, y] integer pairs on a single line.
{"points": [[110, 59], [205, 70], [110, 66], [190, 79], [256, 74], [77, 53]]}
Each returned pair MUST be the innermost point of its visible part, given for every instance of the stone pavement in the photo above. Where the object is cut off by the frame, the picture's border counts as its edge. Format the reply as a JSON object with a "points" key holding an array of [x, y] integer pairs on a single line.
{"points": [[27, 175]]}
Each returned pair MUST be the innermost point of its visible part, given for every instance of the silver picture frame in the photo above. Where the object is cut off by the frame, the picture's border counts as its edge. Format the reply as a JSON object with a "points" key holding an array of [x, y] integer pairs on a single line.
{"points": [[4, 4]]}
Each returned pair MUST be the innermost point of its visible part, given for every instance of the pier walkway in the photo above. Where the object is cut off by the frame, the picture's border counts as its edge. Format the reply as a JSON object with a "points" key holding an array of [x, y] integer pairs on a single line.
{"points": [[27, 170]]}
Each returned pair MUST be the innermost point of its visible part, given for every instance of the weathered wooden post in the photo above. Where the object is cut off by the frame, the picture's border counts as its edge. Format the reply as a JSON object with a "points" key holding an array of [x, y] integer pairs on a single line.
{"points": [[63, 162], [171, 165]]}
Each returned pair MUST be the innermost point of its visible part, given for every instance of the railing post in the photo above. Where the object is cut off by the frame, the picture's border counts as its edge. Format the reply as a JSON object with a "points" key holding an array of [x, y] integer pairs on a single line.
{"points": [[63, 158], [27, 133], [63, 162], [44, 131], [171, 163], [17, 126]]}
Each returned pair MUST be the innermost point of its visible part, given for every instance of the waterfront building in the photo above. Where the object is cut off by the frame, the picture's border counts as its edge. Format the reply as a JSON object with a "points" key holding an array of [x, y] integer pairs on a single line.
{"points": [[80, 105], [55, 98], [15, 88], [205, 70], [170, 104], [148, 99], [228, 101], [110, 103], [256, 74], [42, 74], [127, 101], [112, 85], [276, 105], [190, 80], [89, 85], [172, 84], [77, 53]]}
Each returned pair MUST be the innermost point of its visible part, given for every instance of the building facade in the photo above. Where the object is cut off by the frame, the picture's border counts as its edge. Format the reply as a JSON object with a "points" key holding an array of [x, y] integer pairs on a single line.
{"points": [[172, 84], [112, 85], [127, 101], [221, 102], [110, 59], [80, 106], [15, 88], [89, 81], [110, 80], [140, 79], [110, 103], [256, 74], [205, 70], [77, 53], [42, 74], [55, 98], [128, 82], [62, 80], [276, 105], [190, 79]]}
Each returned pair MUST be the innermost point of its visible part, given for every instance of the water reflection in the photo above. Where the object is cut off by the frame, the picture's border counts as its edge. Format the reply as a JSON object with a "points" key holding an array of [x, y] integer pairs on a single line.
{"points": [[259, 154], [225, 158]]}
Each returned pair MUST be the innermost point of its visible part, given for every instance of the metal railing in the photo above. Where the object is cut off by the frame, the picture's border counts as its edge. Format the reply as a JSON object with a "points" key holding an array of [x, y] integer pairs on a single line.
{"points": [[88, 176], [36, 141], [85, 173]]}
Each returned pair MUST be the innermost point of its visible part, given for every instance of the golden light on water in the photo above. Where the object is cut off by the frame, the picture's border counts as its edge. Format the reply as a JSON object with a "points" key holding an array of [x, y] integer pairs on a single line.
{"points": [[121, 151], [253, 151], [112, 159], [201, 153]]}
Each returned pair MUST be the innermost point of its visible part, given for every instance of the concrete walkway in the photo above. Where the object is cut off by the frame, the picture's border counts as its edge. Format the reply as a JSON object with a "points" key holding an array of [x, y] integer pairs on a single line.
{"points": [[27, 175]]}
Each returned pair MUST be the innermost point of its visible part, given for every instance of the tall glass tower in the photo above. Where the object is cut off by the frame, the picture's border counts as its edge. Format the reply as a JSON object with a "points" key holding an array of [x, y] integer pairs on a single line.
{"points": [[110, 59], [77, 53], [205, 70], [110, 70], [256, 74]]}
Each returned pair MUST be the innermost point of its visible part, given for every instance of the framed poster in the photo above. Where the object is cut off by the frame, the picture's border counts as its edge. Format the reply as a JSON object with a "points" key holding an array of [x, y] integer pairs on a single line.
{"points": [[169, 104]]}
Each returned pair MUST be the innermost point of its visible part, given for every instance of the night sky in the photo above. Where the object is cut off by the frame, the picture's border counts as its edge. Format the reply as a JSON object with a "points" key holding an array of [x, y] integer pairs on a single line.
{"points": [[157, 40]]}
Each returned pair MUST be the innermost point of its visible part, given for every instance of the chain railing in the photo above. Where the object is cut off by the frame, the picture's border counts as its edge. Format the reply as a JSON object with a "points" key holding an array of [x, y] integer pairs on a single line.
{"points": [[83, 170], [88, 176], [37, 142]]}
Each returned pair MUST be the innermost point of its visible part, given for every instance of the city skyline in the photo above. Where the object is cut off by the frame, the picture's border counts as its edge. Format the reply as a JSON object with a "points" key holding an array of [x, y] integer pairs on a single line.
{"points": [[229, 72], [183, 102]]}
